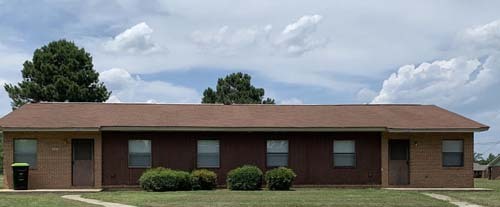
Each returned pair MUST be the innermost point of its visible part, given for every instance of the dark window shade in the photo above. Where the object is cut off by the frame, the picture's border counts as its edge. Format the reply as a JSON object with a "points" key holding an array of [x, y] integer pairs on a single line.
{"points": [[453, 159], [277, 159], [139, 160], [29, 158], [344, 159], [208, 160]]}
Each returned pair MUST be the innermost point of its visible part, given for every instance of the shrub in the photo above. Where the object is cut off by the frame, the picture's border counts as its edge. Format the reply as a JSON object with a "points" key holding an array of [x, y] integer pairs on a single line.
{"points": [[203, 180], [183, 180], [245, 178], [161, 179], [280, 178]]}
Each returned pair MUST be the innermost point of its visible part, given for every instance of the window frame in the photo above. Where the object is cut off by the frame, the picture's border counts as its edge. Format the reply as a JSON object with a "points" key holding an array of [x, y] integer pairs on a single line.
{"points": [[278, 153], [354, 166], [150, 154], [14, 151], [462, 164], [198, 154]]}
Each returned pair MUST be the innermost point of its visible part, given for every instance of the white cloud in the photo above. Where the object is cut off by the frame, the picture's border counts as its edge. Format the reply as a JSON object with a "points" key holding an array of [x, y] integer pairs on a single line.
{"points": [[367, 39], [482, 37], [297, 38], [226, 42], [454, 82], [113, 99], [467, 86], [291, 101], [127, 88], [137, 39], [366, 95]]}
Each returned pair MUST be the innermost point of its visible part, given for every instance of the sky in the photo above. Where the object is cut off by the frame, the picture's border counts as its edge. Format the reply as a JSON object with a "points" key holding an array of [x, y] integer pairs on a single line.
{"points": [[445, 53]]}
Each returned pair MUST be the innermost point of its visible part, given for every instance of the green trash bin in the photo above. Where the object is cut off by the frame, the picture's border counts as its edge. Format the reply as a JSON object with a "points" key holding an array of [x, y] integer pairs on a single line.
{"points": [[20, 172]]}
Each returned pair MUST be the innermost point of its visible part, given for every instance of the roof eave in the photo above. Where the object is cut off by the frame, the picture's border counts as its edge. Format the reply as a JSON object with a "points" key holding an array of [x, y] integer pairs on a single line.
{"points": [[406, 130], [494, 161], [244, 129], [68, 129], [248, 129]]}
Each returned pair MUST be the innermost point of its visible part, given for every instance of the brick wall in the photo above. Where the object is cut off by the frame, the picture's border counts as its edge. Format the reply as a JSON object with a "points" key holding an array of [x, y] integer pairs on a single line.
{"points": [[54, 159], [53, 168], [426, 168]]}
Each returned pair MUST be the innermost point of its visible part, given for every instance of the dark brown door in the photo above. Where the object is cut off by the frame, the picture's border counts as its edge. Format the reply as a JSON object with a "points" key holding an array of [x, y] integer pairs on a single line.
{"points": [[399, 160], [83, 162]]}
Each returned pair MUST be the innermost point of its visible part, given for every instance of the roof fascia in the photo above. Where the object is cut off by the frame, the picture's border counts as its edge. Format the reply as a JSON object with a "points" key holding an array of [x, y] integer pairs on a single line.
{"points": [[398, 130], [49, 129], [247, 129]]}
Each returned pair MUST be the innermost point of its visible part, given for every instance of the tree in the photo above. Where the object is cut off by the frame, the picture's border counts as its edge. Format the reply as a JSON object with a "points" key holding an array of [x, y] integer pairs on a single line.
{"points": [[235, 88], [490, 158], [58, 72], [478, 158]]}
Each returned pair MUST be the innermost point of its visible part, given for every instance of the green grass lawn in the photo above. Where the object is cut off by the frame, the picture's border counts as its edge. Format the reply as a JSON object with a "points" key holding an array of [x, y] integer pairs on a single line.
{"points": [[42, 200], [299, 197], [491, 198], [30, 199]]}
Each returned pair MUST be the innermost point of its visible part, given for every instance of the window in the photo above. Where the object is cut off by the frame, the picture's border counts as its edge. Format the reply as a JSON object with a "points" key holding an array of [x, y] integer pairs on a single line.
{"points": [[25, 151], [139, 153], [277, 153], [208, 154], [344, 153], [453, 153]]}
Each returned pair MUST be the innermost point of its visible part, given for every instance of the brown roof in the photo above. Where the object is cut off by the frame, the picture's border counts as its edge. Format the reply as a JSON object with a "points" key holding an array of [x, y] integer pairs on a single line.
{"points": [[101, 115]]}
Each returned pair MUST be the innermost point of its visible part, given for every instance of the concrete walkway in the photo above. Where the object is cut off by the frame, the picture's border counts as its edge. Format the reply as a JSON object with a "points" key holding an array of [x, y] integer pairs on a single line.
{"points": [[95, 202], [451, 200]]}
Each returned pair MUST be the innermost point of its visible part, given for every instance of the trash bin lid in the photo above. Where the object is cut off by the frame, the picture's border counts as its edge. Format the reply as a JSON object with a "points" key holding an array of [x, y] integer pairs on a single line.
{"points": [[21, 164]]}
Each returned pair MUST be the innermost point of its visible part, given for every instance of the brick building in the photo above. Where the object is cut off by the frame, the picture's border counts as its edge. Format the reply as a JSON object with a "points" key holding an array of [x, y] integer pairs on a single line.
{"points": [[493, 169], [76, 145]]}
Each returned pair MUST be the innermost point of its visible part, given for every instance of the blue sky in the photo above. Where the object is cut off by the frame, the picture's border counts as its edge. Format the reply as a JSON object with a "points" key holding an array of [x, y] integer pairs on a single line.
{"points": [[302, 52]]}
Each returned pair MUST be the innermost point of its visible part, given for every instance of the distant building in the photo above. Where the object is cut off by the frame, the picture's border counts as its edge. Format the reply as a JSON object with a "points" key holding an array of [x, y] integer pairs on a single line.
{"points": [[493, 171], [480, 171]]}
